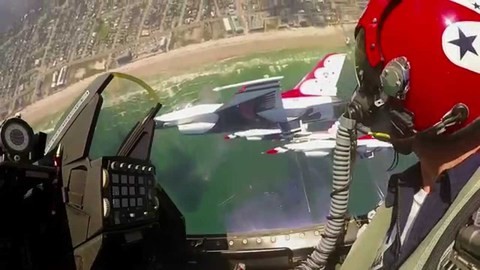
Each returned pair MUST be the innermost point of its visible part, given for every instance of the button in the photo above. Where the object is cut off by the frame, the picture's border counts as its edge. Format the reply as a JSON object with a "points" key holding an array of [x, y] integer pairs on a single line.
{"points": [[132, 215], [144, 168], [115, 191], [115, 178], [142, 190], [131, 179], [124, 202], [124, 179], [131, 191], [141, 181], [130, 166], [113, 165], [124, 191], [123, 165], [140, 201], [138, 168], [116, 203], [150, 169], [133, 202]]}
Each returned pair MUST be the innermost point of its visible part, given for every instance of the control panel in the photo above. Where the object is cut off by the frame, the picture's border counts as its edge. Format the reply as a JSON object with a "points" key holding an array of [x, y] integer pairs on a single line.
{"points": [[129, 195]]}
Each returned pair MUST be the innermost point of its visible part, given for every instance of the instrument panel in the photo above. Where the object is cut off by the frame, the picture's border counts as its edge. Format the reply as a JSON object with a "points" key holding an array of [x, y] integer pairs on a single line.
{"points": [[129, 195]]}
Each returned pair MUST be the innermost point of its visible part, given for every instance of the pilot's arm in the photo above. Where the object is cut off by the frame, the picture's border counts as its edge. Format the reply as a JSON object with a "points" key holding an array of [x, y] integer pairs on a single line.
{"points": [[364, 251]]}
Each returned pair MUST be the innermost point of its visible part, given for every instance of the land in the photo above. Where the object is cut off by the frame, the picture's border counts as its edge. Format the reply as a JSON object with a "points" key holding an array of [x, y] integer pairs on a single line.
{"points": [[190, 59], [64, 42]]}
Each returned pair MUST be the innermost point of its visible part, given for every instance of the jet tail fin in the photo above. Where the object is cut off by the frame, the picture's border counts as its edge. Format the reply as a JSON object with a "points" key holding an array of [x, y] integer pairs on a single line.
{"points": [[322, 80]]}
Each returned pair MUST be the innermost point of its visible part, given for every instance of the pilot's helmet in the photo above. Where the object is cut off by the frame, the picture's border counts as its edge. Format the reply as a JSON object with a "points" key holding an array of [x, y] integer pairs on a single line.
{"points": [[421, 60]]}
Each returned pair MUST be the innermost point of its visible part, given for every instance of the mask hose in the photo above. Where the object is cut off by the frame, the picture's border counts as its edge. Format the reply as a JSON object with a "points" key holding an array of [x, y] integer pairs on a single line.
{"points": [[342, 174]]}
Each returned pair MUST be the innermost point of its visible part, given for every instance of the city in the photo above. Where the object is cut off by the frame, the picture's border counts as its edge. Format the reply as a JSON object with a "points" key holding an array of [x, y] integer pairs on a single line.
{"points": [[67, 40]]}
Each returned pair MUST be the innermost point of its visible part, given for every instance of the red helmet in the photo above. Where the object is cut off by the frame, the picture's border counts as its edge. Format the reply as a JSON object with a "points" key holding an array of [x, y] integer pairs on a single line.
{"points": [[425, 54]]}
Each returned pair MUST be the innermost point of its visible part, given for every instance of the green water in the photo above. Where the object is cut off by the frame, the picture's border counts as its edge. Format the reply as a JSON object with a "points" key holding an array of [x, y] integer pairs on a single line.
{"points": [[229, 186]]}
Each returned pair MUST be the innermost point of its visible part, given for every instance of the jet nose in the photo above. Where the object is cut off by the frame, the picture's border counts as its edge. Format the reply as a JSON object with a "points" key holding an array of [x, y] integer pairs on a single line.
{"points": [[271, 152], [229, 137]]}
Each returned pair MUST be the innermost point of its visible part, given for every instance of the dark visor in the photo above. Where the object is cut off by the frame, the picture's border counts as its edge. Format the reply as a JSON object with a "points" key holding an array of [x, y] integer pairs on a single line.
{"points": [[368, 76]]}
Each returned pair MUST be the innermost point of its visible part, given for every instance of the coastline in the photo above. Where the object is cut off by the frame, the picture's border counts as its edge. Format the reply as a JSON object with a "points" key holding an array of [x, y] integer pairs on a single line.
{"points": [[191, 58]]}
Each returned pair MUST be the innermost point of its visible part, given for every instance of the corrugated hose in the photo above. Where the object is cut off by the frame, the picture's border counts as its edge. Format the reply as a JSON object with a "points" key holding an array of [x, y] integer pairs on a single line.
{"points": [[342, 174]]}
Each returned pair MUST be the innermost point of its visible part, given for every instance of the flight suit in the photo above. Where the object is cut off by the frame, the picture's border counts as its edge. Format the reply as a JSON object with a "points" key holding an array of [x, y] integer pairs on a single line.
{"points": [[461, 184]]}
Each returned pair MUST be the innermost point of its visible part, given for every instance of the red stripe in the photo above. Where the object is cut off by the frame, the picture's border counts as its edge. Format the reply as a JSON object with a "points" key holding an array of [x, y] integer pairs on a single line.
{"points": [[366, 137], [271, 152], [295, 92]]}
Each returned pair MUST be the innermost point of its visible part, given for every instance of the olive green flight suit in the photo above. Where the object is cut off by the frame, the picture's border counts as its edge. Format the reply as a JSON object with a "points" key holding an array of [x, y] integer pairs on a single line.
{"points": [[365, 249]]}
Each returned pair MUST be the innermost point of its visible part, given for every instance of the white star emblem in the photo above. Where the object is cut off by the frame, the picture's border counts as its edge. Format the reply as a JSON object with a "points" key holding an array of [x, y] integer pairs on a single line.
{"points": [[461, 45], [470, 4]]}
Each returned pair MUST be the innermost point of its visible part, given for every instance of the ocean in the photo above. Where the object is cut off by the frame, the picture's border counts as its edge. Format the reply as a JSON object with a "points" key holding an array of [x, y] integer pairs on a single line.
{"points": [[229, 186]]}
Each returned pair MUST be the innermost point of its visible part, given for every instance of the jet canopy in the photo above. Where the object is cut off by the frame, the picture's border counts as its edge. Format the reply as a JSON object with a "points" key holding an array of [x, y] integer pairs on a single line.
{"points": [[105, 113]]}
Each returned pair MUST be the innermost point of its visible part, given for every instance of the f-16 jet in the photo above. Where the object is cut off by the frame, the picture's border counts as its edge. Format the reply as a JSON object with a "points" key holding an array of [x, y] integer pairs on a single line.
{"points": [[260, 106], [321, 144]]}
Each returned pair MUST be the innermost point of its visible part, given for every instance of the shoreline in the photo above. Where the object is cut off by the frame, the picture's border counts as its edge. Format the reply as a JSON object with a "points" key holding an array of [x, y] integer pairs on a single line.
{"points": [[190, 58]]}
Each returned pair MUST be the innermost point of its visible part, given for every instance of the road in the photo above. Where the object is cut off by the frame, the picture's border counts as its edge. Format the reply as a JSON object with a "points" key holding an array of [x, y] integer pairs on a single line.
{"points": [[182, 13], [217, 9], [145, 14], [200, 11], [49, 43], [92, 29], [73, 52], [115, 38], [164, 16], [241, 13]]}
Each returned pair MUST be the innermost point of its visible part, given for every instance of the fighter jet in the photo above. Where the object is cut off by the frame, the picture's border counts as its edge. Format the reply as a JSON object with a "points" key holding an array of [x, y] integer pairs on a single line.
{"points": [[259, 106], [321, 144]]}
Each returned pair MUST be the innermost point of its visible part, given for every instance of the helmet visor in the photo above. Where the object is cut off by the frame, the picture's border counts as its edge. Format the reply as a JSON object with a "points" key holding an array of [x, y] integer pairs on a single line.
{"points": [[368, 77]]}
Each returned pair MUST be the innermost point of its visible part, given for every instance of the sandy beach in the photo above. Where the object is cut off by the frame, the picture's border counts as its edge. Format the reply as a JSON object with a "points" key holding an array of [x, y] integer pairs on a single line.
{"points": [[191, 57]]}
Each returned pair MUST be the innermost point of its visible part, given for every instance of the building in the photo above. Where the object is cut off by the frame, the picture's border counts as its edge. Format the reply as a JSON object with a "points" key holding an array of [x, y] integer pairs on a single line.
{"points": [[54, 79], [124, 58], [163, 43], [256, 23], [271, 23], [145, 33], [62, 76], [227, 25], [236, 24]]}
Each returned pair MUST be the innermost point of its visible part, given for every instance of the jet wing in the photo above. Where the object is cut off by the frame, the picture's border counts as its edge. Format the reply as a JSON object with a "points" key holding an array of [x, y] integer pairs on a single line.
{"points": [[258, 100], [368, 146], [256, 134], [310, 148], [289, 130], [317, 146], [188, 115]]}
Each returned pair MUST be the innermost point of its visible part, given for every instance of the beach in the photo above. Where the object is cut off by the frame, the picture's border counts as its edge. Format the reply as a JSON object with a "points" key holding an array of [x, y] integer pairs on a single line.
{"points": [[191, 58]]}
